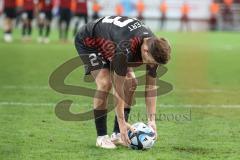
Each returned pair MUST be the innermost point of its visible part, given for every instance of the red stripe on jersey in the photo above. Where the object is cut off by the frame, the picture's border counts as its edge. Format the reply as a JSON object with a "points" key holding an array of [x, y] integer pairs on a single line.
{"points": [[106, 47], [65, 4], [10, 3], [28, 5], [135, 43], [81, 6]]}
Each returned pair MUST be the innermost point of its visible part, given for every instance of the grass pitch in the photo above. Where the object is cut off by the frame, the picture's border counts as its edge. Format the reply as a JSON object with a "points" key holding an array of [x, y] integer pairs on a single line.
{"points": [[199, 119]]}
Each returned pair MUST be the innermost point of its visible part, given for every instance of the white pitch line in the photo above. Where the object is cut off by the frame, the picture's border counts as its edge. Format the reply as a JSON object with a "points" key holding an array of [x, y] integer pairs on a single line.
{"points": [[203, 90], [159, 105], [24, 87], [200, 105], [191, 90], [25, 104]]}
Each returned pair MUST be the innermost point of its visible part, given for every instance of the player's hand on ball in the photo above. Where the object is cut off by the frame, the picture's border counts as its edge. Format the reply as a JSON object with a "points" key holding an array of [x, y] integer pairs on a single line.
{"points": [[154, 127], [124, 134], [130, 127]]}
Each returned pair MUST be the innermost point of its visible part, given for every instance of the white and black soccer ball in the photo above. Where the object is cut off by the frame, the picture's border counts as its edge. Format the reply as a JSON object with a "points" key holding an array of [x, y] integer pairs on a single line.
{"points": [[143, 138]]}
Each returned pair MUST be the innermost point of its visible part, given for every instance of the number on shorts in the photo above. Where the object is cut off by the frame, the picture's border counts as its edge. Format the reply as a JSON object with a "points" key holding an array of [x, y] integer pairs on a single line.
{"points": [[103, 62], [93, 59], [116, 21]]}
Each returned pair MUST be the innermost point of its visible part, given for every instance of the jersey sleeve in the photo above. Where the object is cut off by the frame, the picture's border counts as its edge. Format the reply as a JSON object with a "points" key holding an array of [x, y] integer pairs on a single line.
{"points": [[119, 64], [152, 71]]}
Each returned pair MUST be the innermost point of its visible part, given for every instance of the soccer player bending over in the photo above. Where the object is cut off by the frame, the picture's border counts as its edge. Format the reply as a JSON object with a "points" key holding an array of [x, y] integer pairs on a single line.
{"points": [[120, 43]]}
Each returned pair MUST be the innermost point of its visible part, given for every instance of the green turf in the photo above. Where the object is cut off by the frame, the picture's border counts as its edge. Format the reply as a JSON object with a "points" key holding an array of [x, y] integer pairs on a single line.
{"points": [[204, 71]]}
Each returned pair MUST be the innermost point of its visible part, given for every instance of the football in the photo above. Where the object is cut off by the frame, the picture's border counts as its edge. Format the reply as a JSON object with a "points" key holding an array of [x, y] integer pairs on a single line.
{"points": [[143, 138]]}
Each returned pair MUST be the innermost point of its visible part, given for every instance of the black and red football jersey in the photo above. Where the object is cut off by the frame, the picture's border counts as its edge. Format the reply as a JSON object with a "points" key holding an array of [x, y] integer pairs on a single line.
{"points": [[10, 3], [113, 35], [46, 5], [65, 4], [81, 6], [29, 5]]}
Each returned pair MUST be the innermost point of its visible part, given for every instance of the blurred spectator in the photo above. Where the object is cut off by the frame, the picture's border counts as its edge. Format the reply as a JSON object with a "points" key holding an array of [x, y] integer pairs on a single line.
{"points": [[227, 15], [214, 10], [81, 11], [140, 9], [10, 14], [163, 9], [29, 7], [65, 18], [185, 9], [44, 19], [228, 2], [96, 8], [119, 9]]}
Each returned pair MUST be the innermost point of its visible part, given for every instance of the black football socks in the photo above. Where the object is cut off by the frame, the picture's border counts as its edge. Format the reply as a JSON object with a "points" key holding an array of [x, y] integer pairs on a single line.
{"points": [[9, 31], [24, 29], [27, 29], [101, 122], [126, 115], [41, 27], [47, 30]]}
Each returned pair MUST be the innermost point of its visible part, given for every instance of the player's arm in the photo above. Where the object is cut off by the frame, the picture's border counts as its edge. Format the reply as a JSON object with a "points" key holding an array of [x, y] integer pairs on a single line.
{"points": [[119, 95], [119, 66], [151, 95]]}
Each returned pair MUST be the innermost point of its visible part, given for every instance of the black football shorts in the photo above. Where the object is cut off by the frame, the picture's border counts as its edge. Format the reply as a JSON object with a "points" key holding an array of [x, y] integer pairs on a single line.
{"points": [[91, 57], [28, 14], [10, 12], [46, 15]]}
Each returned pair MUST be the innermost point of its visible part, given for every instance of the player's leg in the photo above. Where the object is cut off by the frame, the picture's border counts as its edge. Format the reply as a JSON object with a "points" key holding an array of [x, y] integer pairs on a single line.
{"points": [[10, 14], [29, 30], [7, 30], [30, 18], [104, 85], [103, 81], [61, 24], [47, 30], [67, 20], [130, 86], [85, 18], [25, 25], [41, 19], [163, 21], [99, 69], [188, 24], [47, 24], [75, 30], [181, 24]]}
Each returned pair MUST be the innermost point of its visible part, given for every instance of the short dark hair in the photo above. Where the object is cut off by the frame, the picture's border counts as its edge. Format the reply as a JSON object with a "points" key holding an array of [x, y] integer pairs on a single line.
{"points": [[160, 49]]}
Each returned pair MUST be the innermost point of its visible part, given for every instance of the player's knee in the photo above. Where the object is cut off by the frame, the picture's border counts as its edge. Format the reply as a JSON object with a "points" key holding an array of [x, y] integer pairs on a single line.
{"points": [[132, 84], [104, 85]]}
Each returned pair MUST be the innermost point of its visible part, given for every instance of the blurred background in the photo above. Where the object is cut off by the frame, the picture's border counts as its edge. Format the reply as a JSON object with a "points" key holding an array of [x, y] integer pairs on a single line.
{"points": [[165, 15]]}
